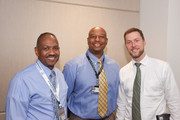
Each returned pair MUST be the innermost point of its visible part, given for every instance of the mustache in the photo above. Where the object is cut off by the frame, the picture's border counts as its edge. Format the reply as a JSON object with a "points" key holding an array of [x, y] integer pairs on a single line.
{"points": [[51, 56]]}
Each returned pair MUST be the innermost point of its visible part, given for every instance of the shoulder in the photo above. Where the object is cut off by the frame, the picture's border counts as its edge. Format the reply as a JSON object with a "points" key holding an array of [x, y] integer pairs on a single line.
{"points": [[157, 63], [127, 68], [22, 78], [76, 61], [27, 72], [111, 62]]}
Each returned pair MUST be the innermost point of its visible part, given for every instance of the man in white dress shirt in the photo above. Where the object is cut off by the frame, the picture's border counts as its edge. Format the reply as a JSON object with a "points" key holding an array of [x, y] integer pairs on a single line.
{"points": [[158, 93]]}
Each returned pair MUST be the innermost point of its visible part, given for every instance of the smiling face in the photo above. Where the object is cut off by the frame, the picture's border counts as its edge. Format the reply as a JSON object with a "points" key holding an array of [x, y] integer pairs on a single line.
{"points": [[97, 41], [47, 50], [135, 45]]}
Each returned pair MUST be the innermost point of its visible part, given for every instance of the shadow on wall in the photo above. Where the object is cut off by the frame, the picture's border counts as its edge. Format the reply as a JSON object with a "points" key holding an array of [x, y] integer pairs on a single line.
{"points": [[127, 56]]}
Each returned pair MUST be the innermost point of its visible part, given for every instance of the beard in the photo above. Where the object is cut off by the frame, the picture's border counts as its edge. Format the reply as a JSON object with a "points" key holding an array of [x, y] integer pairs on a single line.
{"points": [[135, 56]]}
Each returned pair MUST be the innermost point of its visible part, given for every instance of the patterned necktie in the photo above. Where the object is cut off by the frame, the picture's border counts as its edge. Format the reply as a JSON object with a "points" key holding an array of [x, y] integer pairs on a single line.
{"points": [[136, 112], [55, 103], [103, 87]]}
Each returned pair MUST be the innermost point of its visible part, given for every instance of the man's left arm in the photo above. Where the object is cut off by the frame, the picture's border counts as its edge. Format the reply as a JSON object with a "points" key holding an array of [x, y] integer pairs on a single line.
{"points": [[172, 94]]}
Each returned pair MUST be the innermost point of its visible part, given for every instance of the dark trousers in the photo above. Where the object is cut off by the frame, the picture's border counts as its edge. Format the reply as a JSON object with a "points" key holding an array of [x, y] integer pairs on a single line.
{"points": [[75, 117]]}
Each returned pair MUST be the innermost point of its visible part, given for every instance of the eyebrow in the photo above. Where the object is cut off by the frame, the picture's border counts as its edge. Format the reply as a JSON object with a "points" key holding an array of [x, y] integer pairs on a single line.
{"points": [[96, 35]]}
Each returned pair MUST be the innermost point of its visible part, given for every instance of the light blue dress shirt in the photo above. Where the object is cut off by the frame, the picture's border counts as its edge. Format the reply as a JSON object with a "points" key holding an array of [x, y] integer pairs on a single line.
{"points": [[80, 77], [29, 97]]}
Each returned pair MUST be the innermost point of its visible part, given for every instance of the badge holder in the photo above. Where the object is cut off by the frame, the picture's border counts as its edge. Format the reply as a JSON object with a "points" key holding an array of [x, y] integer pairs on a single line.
{"points": [[61, 113], [95, 89]]}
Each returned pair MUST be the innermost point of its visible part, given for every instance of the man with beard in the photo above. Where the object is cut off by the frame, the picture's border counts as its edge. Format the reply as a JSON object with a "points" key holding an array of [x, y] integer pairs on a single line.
{"points": [[39, 91], [147, 87], [89, 96]]}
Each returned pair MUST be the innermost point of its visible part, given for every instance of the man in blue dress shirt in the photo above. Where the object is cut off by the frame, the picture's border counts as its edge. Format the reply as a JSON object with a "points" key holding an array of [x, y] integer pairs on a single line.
{"points": [[29, 96], [80, 75]]}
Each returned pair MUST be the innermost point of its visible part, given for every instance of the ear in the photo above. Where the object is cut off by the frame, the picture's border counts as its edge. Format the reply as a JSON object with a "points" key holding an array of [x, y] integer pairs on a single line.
{"points": [[36, 51], [144, 42], [106, 40], [88, 41]]}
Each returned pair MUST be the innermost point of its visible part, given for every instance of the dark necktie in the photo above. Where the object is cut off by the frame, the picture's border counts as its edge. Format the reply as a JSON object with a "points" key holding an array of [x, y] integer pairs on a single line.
{"points": [[55, 103], [136, 112], [103, 87]]}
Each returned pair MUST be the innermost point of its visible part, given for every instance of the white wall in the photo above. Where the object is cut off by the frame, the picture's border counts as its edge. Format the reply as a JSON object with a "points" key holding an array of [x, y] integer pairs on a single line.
{"points": [[22, 21], [159, 19], [173, 38]]}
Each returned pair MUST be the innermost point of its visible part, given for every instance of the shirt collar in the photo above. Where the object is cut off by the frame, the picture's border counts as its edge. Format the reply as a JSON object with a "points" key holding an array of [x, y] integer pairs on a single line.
{"points": [[45, 68], [143, 61], [93, 58]]}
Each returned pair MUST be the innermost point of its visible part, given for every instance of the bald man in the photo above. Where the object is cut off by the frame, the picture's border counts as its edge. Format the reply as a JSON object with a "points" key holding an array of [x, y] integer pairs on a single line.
{"points": [[82, 75]]}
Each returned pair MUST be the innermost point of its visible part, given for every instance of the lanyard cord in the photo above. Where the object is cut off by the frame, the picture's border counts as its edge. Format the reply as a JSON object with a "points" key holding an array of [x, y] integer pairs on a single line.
{"points": [[97, 74], [54, 91]]}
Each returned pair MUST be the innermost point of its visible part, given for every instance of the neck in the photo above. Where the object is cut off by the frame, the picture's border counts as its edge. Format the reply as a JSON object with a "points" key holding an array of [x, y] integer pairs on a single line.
{"points": [[139, 58], [50, 67], [98, 55]]}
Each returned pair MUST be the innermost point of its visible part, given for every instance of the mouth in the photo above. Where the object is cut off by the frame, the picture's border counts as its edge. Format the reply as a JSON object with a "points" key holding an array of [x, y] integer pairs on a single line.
{"points": [[51, 57], [96, 45], [134, 50]]}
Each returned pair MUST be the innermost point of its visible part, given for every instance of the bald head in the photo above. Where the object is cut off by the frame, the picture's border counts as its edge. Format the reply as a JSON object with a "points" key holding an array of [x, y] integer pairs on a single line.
{"points": [[97, 29], [97, 41]]}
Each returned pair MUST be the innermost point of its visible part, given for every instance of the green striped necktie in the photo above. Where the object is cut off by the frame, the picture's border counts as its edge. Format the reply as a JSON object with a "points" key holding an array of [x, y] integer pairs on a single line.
{"points": [[136, 112]]}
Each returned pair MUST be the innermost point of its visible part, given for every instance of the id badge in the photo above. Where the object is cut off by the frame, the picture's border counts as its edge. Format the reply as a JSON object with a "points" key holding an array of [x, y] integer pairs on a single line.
{"points": [[95, 89], [61, 113]]}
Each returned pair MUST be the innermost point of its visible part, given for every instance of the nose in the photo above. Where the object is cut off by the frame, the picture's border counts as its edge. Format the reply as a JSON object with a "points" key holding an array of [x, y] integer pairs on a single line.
{"points": [[51, 51], [97, 38], [133, 44]]}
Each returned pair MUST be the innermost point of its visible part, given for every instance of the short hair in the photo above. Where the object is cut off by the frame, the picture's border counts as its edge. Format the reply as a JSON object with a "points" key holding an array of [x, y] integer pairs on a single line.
{"points": [[134, 30], [43, 34]]}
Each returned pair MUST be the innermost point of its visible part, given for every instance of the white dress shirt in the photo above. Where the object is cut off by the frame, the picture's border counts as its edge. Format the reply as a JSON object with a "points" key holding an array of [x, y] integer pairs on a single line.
{"points": [[158, 89]]}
